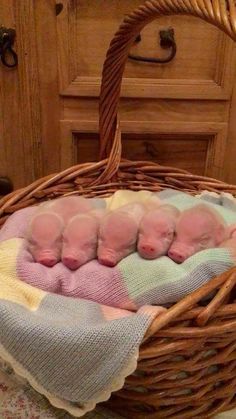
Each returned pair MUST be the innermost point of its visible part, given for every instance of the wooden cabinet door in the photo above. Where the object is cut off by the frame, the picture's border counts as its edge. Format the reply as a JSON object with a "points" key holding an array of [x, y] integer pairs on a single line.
{"points": [[29, 93], [175, 113]]}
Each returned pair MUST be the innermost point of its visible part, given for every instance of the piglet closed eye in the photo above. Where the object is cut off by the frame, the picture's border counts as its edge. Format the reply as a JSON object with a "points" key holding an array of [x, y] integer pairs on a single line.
{"points": [[197, 228], [156, 231], [44, 238]]}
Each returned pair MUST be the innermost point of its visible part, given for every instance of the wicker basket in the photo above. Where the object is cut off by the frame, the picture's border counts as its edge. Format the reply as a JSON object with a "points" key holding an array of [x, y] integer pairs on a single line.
{"points": [[187, 364]]}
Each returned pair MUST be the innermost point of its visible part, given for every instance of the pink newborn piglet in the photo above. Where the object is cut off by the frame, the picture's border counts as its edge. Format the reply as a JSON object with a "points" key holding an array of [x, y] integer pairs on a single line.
{"points": [[80, 238], [197, 228], [44, 237], [118, 234], [156, 231]]}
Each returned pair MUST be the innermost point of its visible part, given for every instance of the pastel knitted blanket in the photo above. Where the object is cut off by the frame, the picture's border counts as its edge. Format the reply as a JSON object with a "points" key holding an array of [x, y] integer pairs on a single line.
{"points": [[69, 333], [134, 282]]}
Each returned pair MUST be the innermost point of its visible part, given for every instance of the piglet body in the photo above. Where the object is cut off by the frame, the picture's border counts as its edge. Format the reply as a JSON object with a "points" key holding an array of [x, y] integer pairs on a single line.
{"points": [[80, 239], [156, 231], [44, 237], [197, 228], [118, 233]]}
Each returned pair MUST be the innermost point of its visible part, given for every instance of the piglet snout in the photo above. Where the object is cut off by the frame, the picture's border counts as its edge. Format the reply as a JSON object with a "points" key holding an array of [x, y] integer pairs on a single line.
{"points": [[176, 256], [147, 250], [179, 252], [74, 260], [107, 259], [48, 261], [70, 262]]}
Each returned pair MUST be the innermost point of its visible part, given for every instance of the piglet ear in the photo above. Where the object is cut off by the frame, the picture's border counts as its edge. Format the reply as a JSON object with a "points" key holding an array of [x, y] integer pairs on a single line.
{"points": [[231, 230], [221, 234]]}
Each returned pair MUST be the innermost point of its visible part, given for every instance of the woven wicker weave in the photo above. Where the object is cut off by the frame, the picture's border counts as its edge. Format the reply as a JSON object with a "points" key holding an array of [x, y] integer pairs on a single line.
{"points": [[187, 364]]}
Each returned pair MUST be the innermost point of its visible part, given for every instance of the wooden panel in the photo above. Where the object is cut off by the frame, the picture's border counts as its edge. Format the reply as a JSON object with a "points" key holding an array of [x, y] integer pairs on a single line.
{"points": [[190, 124], [214, 132], [200, 69], [18, 93], [12, 143], [138, 109], [86, 147], [29, 117], [92, 58], [46, 39], [230, 153], [185, 152]]}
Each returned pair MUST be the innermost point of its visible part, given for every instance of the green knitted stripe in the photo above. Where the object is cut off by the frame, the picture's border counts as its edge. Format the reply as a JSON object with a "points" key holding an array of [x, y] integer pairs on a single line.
{"points": [[141, 276]]}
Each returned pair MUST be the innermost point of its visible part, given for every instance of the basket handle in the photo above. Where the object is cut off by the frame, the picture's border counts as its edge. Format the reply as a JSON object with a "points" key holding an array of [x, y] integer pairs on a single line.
{"points": [[221, 13]]}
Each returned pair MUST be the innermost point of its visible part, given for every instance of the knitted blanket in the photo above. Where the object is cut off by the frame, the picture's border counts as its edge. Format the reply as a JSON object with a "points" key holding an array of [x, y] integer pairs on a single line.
{"points": [[134, 282], [74, 348], [72, 351]]}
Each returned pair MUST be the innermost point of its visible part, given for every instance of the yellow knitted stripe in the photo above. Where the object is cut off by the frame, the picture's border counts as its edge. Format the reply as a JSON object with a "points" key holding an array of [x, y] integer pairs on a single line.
{"points": [[11, 287], [125, 197]]}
